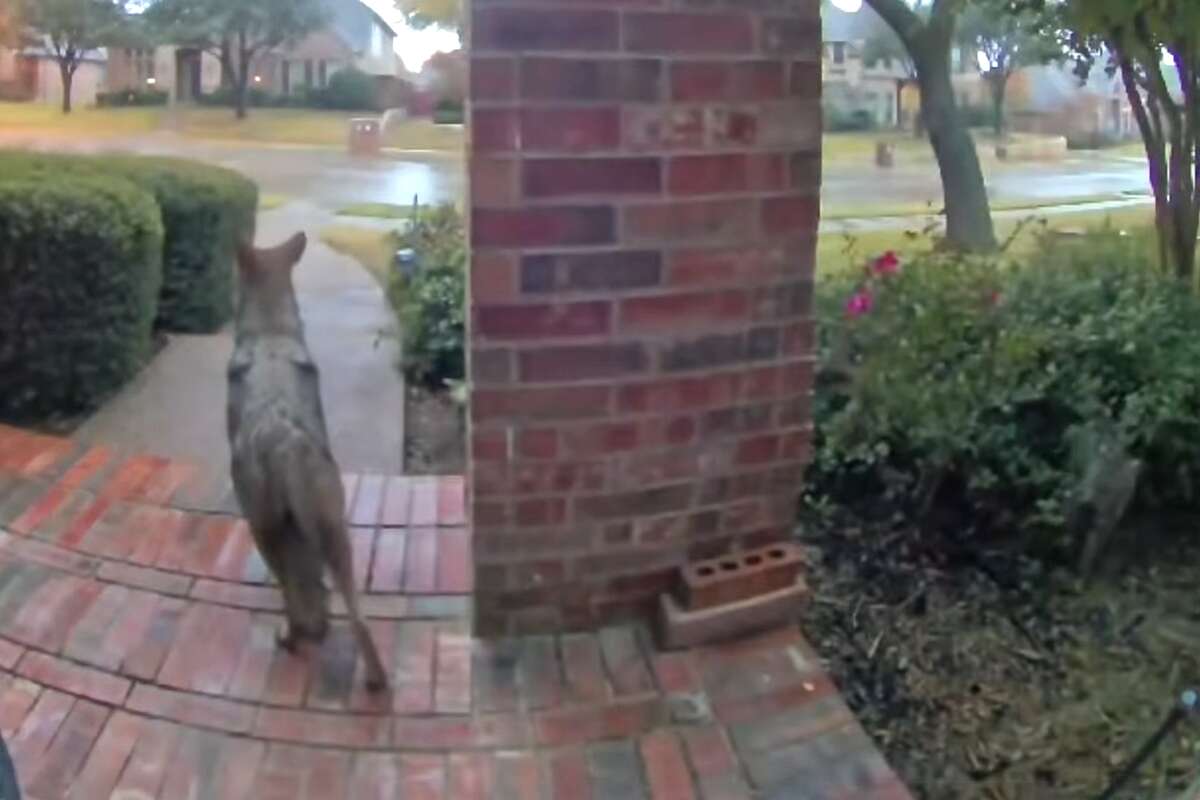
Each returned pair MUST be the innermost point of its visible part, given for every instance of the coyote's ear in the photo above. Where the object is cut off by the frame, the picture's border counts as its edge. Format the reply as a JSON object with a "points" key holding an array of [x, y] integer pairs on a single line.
{"points": [[292, 250]]}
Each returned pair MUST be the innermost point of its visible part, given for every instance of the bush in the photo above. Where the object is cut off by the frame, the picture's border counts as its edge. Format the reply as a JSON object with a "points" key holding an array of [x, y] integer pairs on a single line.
{"points": [[1004, 399], [1093, 140], [130, 98], [839, 120], [448, 112], [80, 271], [348, 89], [205, 211], [431, 304]]}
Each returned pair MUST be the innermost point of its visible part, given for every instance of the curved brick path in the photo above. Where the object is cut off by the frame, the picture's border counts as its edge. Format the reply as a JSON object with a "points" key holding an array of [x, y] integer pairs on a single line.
{"points": [[137, 660]]}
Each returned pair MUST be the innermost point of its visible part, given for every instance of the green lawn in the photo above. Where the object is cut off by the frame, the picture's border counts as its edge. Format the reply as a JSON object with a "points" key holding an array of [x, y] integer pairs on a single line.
{"points": [[370, 247], [263, 125]]}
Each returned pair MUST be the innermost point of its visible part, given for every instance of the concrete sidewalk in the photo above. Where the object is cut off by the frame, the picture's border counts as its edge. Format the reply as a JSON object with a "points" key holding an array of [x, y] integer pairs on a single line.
{"points": [[176, 407]]}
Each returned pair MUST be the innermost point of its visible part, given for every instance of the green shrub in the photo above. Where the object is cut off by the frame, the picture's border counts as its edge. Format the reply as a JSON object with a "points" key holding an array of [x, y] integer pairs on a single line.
{"points": [[348, 89], [431, 303], [205, 210], [80, 271], [131, 97], [840, 120], [448, 112], [983, 395]]}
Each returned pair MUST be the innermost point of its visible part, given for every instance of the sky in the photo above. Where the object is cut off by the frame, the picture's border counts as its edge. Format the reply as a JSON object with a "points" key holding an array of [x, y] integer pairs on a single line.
{"points": [[848, 5], [415, 47]]}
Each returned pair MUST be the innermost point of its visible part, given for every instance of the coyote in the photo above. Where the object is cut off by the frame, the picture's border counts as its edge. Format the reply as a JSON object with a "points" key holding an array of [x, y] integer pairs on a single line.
{"points": [[286, 480]]}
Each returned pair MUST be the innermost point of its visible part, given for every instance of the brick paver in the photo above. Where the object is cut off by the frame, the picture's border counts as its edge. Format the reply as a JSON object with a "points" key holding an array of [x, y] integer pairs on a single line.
{"points": [[137, 659]]}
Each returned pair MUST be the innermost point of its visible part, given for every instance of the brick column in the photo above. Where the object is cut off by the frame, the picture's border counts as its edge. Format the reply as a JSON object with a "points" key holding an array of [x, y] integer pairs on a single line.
{"points": [[644, 180]]}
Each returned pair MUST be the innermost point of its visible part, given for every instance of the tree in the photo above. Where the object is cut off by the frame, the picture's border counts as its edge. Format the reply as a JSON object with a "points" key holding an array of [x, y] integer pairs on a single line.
{"points": [[70, 29], [237, 31], [422, 14], [1006, 39], [1154, 46], [927, 39], [11, 23]]}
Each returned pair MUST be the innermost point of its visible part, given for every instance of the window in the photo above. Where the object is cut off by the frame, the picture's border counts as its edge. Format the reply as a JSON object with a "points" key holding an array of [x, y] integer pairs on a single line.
{"points": [[839, 52], [285, 76]]}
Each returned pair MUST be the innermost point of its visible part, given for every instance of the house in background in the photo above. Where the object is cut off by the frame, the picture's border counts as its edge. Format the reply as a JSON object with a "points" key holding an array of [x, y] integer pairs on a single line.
{"points": [[851, 86], [31, 74], [183, 72], [355, 36]]}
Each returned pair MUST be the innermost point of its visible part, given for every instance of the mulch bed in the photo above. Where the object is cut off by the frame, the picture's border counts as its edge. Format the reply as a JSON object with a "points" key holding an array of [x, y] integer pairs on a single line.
{"points": [[434, 434], [997, 676]]}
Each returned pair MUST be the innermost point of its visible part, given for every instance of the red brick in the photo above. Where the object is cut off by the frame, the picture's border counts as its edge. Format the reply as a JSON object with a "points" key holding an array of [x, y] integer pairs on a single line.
{"points": [[420, 563], [583, 669], [47, 617], [288, 678], [661, 127], [542, 227], [689, 222], [493, 181], [451, 503], [144, 641], [494, 130], [625, 661], [757, 450], [737, 81], [790, 215], [544, 320], [569, 775], [53, 771], [454, 561], [805, 80], [412, 685], [493, 78], [709, 751], [688, 33], [368, 501], [10, 654], [675, 672], [570, 130], [539, 405], [192, 709], [621, 719], [310, 727], [376, 777], [565, 177], [537, 443], [599, 271], [666, 770], [151, 579], [708, 267], [713, 174], [102, 687], [794, 37], [472, 776], [517, 776], [680, 394], [563, 477], [210, 642], [524, 29], [671, 312], [113, 747], [600, 439], [423, 777], [581, 363], [493, 278], [452, 690], [579, 80]]}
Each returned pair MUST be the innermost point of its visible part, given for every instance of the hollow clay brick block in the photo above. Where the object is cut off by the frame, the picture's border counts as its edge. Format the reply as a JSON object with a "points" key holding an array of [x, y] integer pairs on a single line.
{"points": [[739, 576], [680, 628]]}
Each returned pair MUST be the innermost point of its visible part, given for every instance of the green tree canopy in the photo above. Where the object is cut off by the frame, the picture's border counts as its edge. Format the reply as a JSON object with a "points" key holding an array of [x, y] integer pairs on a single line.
{"points": [[70, 29]]}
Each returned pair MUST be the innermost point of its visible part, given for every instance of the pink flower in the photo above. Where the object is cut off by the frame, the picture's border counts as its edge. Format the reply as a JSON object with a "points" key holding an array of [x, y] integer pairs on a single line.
{"points": [[859, 303], [886, 264]]}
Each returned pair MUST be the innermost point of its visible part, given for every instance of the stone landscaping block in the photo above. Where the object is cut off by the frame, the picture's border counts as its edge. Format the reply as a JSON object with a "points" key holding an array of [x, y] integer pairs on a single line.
{"points": [[682, 628]]}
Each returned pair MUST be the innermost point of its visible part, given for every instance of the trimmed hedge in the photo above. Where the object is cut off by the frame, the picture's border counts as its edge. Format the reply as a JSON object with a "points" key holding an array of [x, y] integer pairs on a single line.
{"points": [[205, 210], [80, 273]]}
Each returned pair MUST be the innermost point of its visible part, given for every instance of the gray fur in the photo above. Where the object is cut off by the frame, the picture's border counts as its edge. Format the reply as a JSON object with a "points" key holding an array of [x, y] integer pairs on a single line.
{"points": [[284, 474]]}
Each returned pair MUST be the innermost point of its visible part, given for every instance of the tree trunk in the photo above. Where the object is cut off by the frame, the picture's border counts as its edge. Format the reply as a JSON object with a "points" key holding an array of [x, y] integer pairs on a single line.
{"points": [[242, 77], [68, 77], [968, 214], [226, 64]]}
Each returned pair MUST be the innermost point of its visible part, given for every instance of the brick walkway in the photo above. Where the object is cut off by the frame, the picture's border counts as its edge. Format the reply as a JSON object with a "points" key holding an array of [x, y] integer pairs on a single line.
{"points": [[137, 660]]}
